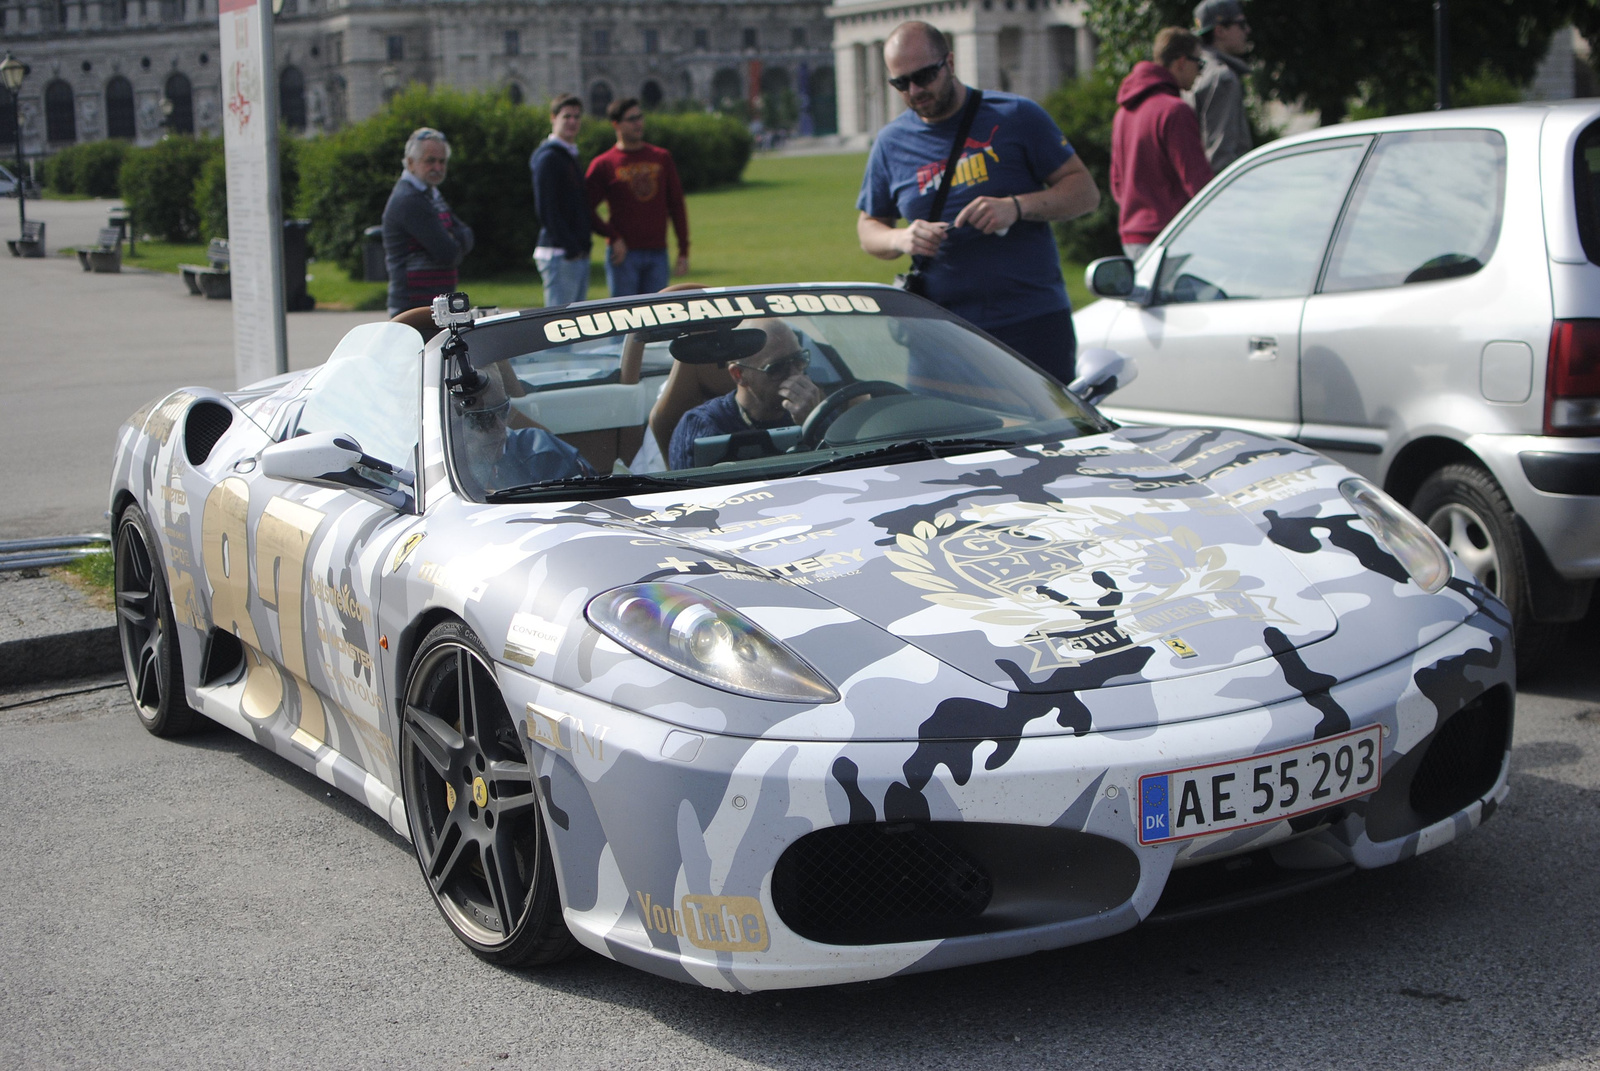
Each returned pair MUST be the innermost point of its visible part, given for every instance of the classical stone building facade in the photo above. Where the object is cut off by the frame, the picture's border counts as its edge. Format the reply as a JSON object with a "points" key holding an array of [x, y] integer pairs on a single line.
{"points": [[1020, 46], [136, 68]]}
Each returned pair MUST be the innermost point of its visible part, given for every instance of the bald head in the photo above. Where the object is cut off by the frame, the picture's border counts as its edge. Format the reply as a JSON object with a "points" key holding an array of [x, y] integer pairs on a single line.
{"points": [[917, 58], [917, 35]]}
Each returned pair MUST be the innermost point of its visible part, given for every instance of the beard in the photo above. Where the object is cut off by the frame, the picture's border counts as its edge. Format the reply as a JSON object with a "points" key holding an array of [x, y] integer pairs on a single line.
{"points": [[938, 106]]}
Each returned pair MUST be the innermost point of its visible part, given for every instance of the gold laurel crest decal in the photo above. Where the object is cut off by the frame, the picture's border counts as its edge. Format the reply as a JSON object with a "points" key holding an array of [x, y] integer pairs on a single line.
{"points": [[1045, 569]]}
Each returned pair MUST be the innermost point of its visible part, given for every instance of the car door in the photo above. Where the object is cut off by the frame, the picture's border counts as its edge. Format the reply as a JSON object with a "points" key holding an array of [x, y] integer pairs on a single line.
{"points": [[1217, 334], [1419, 327], [294, 567]]}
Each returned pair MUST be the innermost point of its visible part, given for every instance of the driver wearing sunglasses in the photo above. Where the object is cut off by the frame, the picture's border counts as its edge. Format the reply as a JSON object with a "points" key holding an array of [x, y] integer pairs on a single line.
{"points": [[770, 390]]}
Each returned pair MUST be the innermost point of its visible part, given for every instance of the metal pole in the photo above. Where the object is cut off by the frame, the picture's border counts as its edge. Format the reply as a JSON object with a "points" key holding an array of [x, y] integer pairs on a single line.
{"points": [[16, 121], [1441, 72]]}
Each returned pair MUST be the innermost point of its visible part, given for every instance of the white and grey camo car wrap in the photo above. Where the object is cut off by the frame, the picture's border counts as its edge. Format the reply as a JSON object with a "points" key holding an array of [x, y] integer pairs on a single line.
{"points": [[1016, 638]]}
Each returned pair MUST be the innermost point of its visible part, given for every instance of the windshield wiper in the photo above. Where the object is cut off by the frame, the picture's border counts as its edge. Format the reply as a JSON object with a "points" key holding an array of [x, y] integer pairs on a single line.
{"points": [[907, 450], [611, 485]]}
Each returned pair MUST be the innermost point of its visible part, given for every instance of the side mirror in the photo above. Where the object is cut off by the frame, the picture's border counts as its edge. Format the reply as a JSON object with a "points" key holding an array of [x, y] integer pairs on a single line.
{"points": [[333, 459], [1100, 372], [1110, 277]]}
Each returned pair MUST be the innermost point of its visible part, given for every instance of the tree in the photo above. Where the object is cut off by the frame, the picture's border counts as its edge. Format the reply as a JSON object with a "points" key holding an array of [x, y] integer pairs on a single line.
{"points": [[1376, 54]]}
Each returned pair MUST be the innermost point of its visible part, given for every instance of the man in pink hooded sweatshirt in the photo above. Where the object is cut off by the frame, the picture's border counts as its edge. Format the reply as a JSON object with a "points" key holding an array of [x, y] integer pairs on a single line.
{"points": [[1158, 160]]}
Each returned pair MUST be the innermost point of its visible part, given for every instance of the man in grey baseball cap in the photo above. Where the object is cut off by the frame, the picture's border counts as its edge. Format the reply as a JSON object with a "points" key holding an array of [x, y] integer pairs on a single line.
{"points": [[1218, 94]]}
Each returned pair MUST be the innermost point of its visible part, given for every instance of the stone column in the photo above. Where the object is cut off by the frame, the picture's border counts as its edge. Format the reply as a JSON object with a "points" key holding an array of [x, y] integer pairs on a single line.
{"points": [[978, 57], [846, 88]]}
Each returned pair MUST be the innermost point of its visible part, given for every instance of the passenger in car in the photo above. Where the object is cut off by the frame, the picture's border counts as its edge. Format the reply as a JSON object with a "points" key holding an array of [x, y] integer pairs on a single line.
{"points": [[770, 390], [491, 456]]}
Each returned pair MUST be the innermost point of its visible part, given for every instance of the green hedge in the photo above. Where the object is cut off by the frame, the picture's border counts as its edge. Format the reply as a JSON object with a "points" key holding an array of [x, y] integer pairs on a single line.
{"points": [[92, 168], [346, 178], [1083, 109], [158, 184], [211, 187]]}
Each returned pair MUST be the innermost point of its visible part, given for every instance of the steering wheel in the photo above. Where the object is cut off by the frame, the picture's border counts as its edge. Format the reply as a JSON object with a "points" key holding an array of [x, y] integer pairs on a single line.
{"points": [[827, 411]]}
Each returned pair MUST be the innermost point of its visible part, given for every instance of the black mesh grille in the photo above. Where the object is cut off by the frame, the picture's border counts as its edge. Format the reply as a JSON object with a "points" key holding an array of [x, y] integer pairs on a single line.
{"points": [[868, 884], [1464, 759], [206, 424]]}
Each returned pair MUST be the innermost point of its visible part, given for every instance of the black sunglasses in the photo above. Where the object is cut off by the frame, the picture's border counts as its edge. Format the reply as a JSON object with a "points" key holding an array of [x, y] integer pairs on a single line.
{"points": [[782, 367], [922, 76]]}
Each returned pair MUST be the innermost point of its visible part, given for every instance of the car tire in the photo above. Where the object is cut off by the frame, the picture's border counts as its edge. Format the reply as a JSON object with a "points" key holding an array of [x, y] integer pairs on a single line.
{"points": [[1466, 508], [473, 808], [147, 631]]}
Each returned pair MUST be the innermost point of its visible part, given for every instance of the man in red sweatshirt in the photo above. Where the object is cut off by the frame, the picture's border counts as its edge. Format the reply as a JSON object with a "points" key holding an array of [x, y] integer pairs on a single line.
{"points": [[640, 183], [1158, 161]]}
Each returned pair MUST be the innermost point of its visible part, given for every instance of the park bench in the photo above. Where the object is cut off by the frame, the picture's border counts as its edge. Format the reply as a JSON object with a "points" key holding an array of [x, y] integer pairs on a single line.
{"points": [[211, 279], [107, 256], [31, 244]]}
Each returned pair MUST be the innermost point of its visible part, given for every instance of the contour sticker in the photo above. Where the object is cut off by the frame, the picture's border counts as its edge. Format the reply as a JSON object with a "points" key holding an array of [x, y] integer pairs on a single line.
{"points": [[531, 636]]}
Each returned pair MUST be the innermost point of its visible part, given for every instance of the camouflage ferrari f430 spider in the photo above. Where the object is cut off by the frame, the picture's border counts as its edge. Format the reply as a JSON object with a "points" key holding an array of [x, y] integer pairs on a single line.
{"points": [[784, 636]]}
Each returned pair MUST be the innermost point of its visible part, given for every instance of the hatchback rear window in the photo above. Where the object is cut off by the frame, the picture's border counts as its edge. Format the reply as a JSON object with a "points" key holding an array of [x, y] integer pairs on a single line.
{"points": [[1427, 207], [1586, 187]]}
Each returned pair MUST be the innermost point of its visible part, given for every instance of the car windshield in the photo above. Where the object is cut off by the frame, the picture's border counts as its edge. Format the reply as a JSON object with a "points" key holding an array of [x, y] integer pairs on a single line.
{"points": [[709, 387]]}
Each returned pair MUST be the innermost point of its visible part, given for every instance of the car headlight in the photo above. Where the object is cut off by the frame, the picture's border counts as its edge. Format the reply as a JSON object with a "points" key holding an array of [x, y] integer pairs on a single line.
{"points": [[699, 637], [1407, 538]]}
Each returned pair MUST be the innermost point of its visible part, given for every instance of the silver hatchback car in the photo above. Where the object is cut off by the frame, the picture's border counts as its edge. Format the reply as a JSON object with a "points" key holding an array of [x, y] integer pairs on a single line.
{"points": [[1417, 297]]}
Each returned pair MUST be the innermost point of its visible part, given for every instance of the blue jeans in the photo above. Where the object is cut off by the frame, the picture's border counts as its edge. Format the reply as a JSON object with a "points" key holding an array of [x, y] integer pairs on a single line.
{"points": [[642, 271], [565, 281]]}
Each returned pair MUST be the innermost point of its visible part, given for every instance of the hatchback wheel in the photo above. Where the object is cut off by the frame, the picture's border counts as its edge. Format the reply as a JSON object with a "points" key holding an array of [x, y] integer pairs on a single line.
{"points": [[1466, 508], [147, 630], [472, 805]]}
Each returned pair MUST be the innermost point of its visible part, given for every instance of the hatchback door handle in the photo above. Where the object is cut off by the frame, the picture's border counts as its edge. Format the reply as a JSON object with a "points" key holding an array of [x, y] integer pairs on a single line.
{"points": [[1263, 348]]}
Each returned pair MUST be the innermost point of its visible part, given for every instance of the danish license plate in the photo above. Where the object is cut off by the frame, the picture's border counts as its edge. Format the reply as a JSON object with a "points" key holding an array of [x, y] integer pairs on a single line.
{"points": [[1192, 802]]}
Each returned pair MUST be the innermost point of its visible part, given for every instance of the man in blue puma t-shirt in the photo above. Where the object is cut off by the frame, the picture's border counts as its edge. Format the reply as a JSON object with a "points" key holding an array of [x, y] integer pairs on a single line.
{"points": [[994, 259]]}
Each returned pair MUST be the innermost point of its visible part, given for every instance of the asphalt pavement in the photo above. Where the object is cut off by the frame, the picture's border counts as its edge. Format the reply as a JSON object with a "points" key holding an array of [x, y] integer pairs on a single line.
{"points": [[204, 904], [82, 351]]}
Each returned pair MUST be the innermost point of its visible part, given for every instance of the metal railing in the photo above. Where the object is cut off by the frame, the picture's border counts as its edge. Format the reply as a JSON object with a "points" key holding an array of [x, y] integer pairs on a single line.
{"points": [[18, 554]]}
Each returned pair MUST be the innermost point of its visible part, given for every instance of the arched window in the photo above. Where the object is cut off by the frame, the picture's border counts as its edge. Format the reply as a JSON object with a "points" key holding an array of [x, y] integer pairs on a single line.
{"points": [[181, 94], [60, 124], [8, 119], [119, 109], [291, 98], [599, 98], [514, 92], [650, 94], [727, 91], [824, 102]]}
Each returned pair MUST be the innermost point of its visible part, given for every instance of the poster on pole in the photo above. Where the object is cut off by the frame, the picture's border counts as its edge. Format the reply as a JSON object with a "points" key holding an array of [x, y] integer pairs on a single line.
{"points": [[255, 218]]}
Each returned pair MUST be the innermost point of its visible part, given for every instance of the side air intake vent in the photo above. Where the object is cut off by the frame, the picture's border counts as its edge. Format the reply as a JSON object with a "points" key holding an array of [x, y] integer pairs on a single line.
{"points": [[206, 424]]}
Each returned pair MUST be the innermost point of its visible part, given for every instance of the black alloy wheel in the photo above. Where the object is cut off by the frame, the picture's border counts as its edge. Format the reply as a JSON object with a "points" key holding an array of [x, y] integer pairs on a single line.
{"points": [[473, 809], [147, 631]]}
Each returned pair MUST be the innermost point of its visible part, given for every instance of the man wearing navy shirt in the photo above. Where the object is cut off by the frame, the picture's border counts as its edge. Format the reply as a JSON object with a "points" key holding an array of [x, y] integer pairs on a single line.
{"points": [[770, 390], [994, 259]]}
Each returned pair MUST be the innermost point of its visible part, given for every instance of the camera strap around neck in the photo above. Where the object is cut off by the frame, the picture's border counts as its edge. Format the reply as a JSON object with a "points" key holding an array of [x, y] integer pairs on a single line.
{"points": [[968, 113]]}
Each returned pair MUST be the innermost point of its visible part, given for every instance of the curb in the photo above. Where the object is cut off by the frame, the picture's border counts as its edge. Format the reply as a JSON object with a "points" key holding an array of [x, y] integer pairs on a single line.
{"points": [[65, 656], [52, 631]]}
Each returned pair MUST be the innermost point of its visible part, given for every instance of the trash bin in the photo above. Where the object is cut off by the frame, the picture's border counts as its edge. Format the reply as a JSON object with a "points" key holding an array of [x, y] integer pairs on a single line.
{"points": [[373, 268], [295, 298], [119, 220]]}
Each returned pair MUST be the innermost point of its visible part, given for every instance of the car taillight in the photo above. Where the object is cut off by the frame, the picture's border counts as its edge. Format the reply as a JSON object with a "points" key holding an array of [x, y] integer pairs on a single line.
{"points": [[1572, 379]]}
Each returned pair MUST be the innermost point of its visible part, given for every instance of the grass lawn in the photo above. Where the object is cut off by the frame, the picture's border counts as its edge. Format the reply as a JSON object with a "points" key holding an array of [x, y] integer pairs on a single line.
{"points": [[792, 220]]}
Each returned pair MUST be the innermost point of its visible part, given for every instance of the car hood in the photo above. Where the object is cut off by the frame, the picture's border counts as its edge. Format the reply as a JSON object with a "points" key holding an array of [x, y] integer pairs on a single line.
{"points": [[1042, 569]]}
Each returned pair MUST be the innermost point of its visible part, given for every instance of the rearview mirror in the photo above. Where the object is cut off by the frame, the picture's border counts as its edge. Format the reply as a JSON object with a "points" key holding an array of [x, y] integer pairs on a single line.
{"points": [[1100, 372], [1110, 277]]}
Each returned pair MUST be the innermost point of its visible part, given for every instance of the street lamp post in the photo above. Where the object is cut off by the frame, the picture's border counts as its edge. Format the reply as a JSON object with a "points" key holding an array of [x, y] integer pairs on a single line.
{"points": [[12, 72]]}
